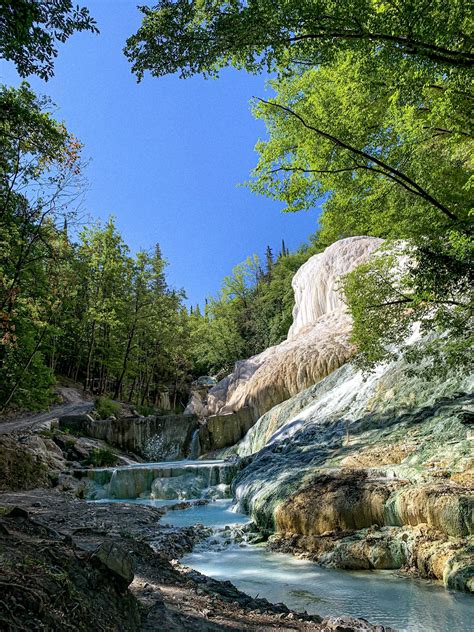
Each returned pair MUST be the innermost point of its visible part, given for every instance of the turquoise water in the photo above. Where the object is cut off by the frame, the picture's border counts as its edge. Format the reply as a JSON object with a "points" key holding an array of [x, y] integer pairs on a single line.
{"points": [[216, 513], [181, 464], [379, 596]]}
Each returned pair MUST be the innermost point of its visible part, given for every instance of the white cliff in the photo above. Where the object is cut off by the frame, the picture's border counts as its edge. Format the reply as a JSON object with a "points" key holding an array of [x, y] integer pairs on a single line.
{"points": [[316, 284], [317, 343]]}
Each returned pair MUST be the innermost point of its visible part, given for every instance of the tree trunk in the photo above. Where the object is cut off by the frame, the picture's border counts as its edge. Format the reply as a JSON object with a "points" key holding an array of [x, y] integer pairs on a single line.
{"points": [[118, 386], [89, 358]]}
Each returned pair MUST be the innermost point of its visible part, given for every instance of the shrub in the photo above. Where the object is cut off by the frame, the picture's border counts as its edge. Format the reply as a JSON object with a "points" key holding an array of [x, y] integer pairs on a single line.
{"points": [[101, 457], [105, 407], [146, 411]]}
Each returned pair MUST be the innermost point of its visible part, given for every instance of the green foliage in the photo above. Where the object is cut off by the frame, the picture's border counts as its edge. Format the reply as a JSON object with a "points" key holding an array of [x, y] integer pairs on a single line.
{"points": [[102, 457], [384, 158], [390, 160], [86, 310], [40, 172], [128, 330], [201, 37], [252, 312], [401, 287], [147, 410], [371, 120], [31, 29], [105, 407]]}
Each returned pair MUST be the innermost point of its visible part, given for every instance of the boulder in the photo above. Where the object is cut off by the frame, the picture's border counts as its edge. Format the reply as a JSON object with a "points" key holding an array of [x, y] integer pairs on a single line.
{"points": [[118, 561], [75, 423], [183, 487]]}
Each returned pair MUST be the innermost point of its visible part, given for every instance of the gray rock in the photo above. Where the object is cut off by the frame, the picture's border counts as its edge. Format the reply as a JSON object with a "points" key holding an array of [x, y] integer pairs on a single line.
{"points": [[75, 422], [116, 559]]}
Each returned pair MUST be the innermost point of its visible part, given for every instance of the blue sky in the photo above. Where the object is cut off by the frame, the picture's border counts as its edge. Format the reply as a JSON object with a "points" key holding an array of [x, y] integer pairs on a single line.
{"points": [[167, 154]]}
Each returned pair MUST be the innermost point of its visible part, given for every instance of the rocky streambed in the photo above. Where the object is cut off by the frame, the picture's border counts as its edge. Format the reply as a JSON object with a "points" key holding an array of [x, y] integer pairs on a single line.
{"points": [[67, 564], [273, 571], [159, 561]]}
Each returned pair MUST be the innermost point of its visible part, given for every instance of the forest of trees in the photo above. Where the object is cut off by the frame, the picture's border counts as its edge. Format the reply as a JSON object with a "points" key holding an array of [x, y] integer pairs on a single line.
{"points": [[78, 306], [75, 303], [371, 119], [252, 311]]}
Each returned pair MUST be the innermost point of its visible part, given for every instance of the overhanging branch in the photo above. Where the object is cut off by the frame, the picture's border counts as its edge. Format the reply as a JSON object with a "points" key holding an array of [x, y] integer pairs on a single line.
{"points": [[390, 172]]}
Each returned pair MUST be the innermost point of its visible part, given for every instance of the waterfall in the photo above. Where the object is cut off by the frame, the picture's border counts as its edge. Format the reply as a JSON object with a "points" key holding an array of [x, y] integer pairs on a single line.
{"points": [[167, 480], [195, 447]]}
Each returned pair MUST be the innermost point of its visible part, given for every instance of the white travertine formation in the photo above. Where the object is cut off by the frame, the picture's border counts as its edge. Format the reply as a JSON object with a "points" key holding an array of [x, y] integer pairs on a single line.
{"points": [[316, 283], [317, 342]]}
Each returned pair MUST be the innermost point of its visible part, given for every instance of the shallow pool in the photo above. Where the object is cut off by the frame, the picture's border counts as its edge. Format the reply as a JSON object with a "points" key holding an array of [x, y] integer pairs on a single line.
{"points": [[216, 513], [381, 596]]}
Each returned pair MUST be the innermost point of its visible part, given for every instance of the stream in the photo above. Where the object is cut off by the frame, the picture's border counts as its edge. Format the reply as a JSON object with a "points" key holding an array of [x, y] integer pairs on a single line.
{"points": [[383, 597]]}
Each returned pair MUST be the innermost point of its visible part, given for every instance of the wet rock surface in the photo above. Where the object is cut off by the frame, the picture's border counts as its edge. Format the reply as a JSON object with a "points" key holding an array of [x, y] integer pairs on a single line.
{"points": [[350, 456], [157, 437]]}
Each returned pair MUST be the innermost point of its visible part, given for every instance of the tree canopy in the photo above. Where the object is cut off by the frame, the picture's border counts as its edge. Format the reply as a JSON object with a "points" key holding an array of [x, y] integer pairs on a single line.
{"points": [[82, 306], [202, 36], [30, 31], [252, 311], [371, 120]]}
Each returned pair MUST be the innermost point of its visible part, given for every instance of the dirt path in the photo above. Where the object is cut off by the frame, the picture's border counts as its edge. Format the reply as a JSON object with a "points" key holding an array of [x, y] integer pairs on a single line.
{"points": [[74, 404]]}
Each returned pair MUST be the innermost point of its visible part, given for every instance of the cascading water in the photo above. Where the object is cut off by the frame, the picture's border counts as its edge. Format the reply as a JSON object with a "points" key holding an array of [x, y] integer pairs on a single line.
{"points": [[166, 480], [380, 597], [390, 425], [195, 446]]}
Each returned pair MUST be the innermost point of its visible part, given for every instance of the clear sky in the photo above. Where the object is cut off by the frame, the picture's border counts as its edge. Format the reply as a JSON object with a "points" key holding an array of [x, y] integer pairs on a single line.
{"points": [[167, 154]]}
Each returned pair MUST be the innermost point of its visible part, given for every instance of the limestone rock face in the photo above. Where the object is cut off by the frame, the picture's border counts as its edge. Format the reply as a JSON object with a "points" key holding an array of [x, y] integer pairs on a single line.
{"points": [[316, 284], [183, 479], [220, 431], [371, 472], [317, 342], [29, 461], [156, 438]]}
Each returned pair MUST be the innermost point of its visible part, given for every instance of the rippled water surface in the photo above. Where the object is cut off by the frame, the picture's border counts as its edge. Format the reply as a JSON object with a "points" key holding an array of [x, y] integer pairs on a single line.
{"points": [[215, 514], [381, 597]]}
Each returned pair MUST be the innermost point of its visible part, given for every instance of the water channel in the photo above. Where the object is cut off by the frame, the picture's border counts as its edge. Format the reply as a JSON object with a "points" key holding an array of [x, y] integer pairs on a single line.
{"points": [[382, 597]]}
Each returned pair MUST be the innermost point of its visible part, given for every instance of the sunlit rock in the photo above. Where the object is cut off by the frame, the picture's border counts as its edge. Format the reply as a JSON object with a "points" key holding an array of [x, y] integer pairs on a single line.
{"points": [[317, 342], [389, 451]]}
